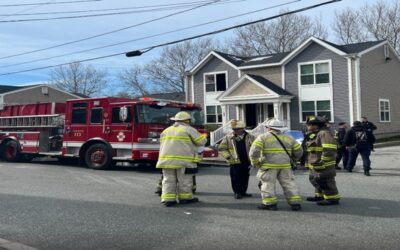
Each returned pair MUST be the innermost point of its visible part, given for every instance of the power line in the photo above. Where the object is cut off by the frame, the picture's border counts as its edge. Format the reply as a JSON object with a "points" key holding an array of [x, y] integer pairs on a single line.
{"points": [[144, 50], [24, 10], [151, 36], [113, 31], [47, 3], [115, 9], [96, 15]]}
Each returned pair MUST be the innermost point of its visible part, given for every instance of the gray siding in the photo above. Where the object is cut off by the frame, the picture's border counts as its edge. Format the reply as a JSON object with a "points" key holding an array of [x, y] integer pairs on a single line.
{"points": [[274, 74], [214, 65], [35, 95], [380, 79], [315, 52]]}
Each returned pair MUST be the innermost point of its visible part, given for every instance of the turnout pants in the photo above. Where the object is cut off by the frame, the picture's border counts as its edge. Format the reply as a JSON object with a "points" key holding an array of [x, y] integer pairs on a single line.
{"points": [[176, 184], [324, 183], [286, 180], [239, 178]]}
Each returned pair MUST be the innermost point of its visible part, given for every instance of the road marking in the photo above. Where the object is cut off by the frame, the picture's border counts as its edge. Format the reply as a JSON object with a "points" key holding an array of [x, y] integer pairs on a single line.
{"points": [[374, 208]]}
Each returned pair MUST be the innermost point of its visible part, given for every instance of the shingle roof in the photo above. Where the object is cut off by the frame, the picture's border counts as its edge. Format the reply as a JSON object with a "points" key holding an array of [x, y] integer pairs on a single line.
{"points": [[240, 61], [8, 88], [272, 86]]}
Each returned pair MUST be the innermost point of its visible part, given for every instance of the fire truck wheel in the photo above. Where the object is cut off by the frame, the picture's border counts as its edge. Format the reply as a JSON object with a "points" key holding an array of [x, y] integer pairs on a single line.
{"points": [[98, 156], [11, 151]]}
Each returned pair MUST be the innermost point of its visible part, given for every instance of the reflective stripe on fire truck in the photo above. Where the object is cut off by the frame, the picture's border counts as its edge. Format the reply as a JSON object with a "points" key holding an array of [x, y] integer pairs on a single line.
{"points": [[119, 145]]}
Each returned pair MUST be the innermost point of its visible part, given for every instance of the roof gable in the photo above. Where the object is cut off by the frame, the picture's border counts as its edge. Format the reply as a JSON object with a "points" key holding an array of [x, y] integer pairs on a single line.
{"points": [[253, 86]]}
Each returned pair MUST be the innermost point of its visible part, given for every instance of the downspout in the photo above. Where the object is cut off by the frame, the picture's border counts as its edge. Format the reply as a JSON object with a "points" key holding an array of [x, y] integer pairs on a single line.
{"points": [[358, 87]]}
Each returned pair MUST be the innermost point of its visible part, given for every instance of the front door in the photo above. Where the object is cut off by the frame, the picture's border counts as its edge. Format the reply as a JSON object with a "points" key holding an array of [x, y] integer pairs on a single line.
{"points": [[251, 115]]}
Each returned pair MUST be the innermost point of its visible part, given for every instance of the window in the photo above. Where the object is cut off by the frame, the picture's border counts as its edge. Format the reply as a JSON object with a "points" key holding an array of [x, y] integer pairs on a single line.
{"points": [[96, 116], [79, 113], [314, 73], [384, 110], [215, 82], [316, 108], [214, 114], [115, 115]]}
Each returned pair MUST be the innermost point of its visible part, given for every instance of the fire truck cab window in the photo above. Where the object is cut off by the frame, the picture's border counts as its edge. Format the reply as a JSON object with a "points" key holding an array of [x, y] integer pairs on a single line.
{"points": [[162, 114], [96, 115], [79, 113], [115, 115]]}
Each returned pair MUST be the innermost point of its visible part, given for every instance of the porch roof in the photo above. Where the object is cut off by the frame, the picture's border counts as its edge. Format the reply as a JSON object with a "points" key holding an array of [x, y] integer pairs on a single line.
{"points": [[254, 89]]}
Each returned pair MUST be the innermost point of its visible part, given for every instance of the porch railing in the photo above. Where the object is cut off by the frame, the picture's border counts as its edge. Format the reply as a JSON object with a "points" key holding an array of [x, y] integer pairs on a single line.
{"points": [[217, 135]]}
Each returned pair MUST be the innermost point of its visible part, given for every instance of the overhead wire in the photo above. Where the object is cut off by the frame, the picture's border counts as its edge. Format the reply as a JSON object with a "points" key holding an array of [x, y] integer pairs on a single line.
{"points": [[24, 10], [147, 49], [116, 9], [113, 31], [47, 3], [102, 14], [152, 36]]}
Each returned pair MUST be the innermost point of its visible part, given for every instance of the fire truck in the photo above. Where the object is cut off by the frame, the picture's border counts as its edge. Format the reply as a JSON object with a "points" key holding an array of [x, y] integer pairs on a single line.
{"points": [[98, 131]]}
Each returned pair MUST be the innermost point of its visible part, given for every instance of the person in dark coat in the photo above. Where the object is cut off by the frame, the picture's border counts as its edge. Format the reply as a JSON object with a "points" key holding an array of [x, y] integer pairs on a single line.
{"points": [[370, 127], [357, 142], [342, 152]]}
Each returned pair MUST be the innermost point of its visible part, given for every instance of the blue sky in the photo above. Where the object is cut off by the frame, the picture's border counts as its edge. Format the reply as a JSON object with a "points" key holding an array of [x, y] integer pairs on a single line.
{"points": [[20, 37]]}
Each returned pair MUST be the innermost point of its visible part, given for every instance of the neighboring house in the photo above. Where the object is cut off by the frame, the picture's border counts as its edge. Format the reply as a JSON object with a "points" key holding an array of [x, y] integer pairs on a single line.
{"points": [[10, 95], [342, 82], [174, 96]]}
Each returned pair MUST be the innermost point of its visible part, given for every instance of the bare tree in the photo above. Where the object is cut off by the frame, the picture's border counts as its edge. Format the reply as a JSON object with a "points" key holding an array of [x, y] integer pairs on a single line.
{"points": [[281, 35], [382, 20], [167, 72], [79, 79], [134, 81], [349, 27]]}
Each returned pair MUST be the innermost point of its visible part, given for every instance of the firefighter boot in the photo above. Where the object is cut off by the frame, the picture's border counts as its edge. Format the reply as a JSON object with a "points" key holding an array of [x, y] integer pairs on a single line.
{"points": [[315, 198], [366, 172], [328, 202], [169, 203], [296, 207], [187, 201], [272, 207]]}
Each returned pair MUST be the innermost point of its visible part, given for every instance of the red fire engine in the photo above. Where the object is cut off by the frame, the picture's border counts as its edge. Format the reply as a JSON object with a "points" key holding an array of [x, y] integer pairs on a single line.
{"points": [[99, 131]]}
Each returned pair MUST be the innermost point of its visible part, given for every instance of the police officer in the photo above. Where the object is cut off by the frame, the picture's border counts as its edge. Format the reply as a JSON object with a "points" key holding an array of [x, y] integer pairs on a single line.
{"points": [[272, 152], [235, 148], [342, 152], [321, 154], [178, 154]]}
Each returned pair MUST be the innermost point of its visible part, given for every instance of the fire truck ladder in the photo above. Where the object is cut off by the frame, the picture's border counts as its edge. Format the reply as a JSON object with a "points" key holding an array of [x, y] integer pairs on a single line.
{"points": [[33, 121]]}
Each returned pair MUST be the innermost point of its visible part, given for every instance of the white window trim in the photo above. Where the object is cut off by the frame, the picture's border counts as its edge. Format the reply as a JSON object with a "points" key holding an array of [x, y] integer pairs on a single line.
{"points": [[299, 86], [314, 63], [315, 109], [216, 114], [379, 108], [215, 74]]}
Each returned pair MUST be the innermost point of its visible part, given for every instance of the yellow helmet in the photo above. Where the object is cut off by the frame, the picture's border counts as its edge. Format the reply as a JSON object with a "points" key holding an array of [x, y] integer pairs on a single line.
{"points": [[235, 124], [181, 116]]}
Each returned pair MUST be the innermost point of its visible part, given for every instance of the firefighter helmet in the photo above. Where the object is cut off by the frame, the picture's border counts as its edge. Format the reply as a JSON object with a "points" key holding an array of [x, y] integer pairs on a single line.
{"points": [[316, 120], [235, 124], [275, 124], [181, 116]]}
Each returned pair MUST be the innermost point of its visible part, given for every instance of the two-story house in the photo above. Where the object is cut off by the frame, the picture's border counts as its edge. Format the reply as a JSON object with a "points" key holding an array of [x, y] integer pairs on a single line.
{"points": [[342, 82]]}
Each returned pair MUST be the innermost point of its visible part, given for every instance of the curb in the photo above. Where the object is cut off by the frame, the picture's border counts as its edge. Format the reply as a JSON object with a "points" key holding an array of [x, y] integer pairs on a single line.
{"points": [[8, 245], [387, 144]]}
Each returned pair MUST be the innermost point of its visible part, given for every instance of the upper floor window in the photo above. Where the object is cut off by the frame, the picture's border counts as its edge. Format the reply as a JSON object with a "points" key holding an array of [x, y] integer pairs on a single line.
{"points": [[316, 108], [315, 73], [384, 110], [215, 82]]}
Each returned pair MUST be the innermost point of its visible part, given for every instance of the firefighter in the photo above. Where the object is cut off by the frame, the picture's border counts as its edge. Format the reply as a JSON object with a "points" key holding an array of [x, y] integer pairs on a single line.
{"points": [[272, 153], [321, 160], [178, 157], [342, 152], [235, 149]]}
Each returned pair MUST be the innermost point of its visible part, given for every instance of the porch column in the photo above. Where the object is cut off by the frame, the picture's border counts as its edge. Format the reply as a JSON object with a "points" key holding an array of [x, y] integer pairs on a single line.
{"points": [[278, 110], [288, 115], [224, 114]]}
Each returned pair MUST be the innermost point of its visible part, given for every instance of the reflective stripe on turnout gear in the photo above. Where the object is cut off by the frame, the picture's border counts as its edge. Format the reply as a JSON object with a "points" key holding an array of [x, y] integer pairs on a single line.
{"points": [[270, 200]]}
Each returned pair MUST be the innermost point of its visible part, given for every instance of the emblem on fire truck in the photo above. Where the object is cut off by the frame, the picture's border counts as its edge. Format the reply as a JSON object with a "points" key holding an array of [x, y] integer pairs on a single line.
{"points": [[121, 136]]}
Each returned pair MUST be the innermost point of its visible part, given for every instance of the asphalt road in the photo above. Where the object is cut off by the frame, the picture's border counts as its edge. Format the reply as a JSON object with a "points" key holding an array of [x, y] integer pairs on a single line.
{"points": [[51, 206]]}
